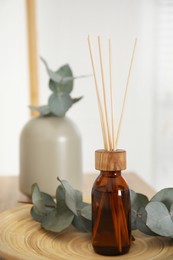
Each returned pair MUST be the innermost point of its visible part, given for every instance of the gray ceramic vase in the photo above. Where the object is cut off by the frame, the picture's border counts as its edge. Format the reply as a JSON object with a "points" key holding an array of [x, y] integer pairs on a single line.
{"points": [[50, 147]]}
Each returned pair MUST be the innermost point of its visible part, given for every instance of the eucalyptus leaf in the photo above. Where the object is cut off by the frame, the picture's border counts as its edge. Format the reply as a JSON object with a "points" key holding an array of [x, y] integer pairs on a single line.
{"points": [[87, 224], [165, 196], [83, 220], [60, 103], [60, 194], [52, 74], [37, 200], [71, 196], [61, 84], [74, 100], [159, 219], [37, 215], [86, 212], [78, 223], [54, 86], [67, 78], [171, 212], [65, 72], [43, 110], [48, 200], [67, 82], [141, 222], [82, 224], [58, 219], [86, 218], [137, 201], [78, 199]]}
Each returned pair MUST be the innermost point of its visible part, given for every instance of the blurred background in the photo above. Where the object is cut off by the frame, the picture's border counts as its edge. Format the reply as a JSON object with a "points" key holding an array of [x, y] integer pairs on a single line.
{"points": [[62, 28]]}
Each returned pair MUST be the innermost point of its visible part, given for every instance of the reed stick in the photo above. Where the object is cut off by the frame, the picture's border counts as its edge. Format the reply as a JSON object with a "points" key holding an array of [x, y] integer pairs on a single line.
{"points": [[125, 95], [104, 94], [110, 141], [119, 226], [98, 215], [111, 95], [124, 223], [114, 219], [102, 119]]}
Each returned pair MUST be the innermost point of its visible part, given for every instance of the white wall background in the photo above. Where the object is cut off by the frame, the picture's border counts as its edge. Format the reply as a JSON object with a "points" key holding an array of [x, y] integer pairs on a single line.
{"points": [[13, 82], [63, 27]]}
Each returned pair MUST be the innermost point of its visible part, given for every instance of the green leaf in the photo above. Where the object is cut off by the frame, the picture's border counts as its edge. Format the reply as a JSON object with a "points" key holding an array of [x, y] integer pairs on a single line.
{"points": [[60, 103], [37, 200], [171, 212], [43, 110], [67, 78], [60, 194], [82, 224], [141, 222], [36, 214], [54, 86], [63, 86], [43, 203], [52, 74], [58, 219], [78, 199], [48, 200], [66, 83], [86, 212], [137, 201], [71, 197], [83, 220], [78, 223], [65, 72], [159, 219], [165, 196], [74, 100]]}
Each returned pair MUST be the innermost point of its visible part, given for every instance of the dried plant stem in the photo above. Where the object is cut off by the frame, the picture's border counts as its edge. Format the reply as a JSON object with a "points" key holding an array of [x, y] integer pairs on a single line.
{"points": [[104, 95], [111, 95], [102, 119], [125, 96], [25, 202]]}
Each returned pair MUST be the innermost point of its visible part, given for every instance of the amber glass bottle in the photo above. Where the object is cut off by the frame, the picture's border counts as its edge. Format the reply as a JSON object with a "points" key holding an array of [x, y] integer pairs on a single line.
{"points": [[111, 220]]}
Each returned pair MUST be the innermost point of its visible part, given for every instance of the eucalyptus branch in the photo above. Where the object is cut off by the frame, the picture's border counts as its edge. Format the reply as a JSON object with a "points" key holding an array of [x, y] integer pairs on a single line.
{"points": [[152, 217]]}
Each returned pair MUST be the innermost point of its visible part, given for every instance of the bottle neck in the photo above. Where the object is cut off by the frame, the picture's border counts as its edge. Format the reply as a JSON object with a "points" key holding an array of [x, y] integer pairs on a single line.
{"points": [[109, 181], [110, 173]]}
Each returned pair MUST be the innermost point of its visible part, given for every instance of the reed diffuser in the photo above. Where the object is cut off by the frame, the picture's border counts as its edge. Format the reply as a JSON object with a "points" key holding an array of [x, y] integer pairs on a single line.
{"points": [[111, 209]]}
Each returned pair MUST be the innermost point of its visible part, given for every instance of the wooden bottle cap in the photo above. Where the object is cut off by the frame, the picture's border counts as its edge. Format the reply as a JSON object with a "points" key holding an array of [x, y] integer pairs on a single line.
{"points": [[110, 160]]}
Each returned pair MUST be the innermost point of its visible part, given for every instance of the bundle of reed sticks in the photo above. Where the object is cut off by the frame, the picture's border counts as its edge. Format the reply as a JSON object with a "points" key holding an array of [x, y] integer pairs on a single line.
{"points": [[110, 134]]}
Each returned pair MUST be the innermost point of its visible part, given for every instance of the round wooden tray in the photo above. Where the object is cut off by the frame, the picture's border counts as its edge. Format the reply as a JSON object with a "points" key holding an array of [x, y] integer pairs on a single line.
{"points": [[22, 238]]}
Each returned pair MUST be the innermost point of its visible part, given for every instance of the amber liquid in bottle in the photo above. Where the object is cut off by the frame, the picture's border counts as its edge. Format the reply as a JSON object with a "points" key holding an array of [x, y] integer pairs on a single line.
{"points": [[111, 209]]}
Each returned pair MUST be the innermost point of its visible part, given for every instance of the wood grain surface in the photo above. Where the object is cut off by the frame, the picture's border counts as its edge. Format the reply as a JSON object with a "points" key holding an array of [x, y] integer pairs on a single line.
{"points": [[22, 238]]}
